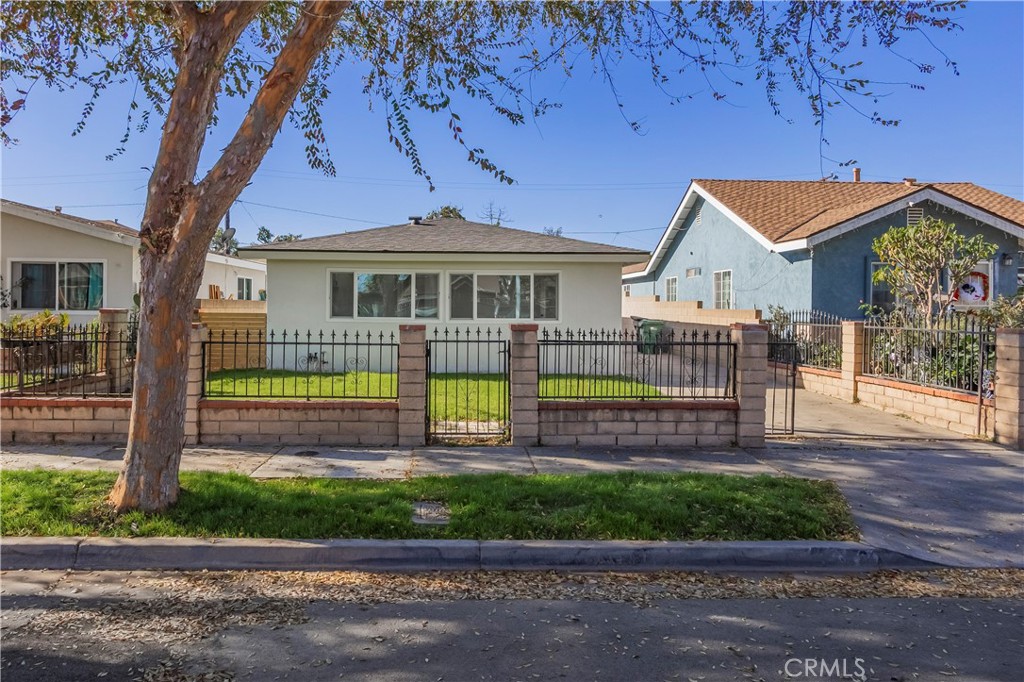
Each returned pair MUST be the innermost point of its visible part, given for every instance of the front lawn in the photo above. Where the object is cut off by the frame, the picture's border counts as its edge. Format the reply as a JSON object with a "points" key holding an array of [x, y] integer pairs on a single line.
{"points": [[621, 506], [479, 397]]}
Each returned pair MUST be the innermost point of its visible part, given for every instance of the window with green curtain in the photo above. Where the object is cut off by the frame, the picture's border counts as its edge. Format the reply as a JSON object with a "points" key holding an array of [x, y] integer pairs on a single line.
{"points": [[80, 286]]}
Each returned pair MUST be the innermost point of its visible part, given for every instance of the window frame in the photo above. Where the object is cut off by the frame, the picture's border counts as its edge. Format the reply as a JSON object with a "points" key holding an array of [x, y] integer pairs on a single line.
{"points": [[874, 265], [241, 279], [412, 272], [625, 290], [507, 320], [716, 286], [674, 295], [991, 270], [56, 263]]}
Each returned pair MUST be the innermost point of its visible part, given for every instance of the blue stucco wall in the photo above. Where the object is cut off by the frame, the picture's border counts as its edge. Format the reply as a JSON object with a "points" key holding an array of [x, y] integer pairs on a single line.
{"points": [[759, 276], [841, 266]]}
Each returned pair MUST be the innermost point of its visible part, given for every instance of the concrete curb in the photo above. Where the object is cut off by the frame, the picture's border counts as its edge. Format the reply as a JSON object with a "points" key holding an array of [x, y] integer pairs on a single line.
{"points": [[93, 553]]}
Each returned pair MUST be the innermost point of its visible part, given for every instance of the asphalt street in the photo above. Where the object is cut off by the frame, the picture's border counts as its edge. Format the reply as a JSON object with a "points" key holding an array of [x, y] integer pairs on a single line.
{"points": [[178, 627]]}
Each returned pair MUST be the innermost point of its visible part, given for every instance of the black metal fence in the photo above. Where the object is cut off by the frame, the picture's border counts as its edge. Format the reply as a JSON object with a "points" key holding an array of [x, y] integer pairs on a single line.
{"points": [[468, 391], [83, 360], [628, 365], [309, 365], [817, 335], [955, 353]]}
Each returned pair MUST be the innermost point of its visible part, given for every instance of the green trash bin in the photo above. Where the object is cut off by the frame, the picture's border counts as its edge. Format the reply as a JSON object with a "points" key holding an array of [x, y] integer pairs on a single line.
{"points": [[649, 336]]}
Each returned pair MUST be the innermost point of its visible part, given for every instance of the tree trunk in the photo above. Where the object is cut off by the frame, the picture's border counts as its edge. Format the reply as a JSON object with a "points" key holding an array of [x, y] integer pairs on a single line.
{"points": [[182, 216], [156, 435]]}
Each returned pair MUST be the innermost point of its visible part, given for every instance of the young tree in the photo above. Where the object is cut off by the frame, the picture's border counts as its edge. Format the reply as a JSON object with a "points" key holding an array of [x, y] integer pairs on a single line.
{"points": [[265, 236], [916, 257], [278, 56], [446, 211]]}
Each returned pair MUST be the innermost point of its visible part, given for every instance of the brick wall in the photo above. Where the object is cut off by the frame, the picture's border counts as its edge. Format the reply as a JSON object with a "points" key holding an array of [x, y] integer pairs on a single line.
{"points": [[956, 412], [275, 422], [823, 381], [632, 423], [64, 420]]}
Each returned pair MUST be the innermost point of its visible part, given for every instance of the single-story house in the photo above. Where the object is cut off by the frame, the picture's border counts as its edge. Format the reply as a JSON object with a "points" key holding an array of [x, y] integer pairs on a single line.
{"points": [[807, 245], [61, 262], [443, 273]]}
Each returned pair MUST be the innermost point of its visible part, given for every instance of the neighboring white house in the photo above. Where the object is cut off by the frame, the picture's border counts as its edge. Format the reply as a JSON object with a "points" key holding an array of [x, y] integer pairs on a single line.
{"points": [[56, 261], [445, 274]]}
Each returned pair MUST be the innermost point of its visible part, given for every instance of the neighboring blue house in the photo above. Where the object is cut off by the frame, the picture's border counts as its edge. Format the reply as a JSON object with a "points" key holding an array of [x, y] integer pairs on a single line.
{"points": [[807, 245]]}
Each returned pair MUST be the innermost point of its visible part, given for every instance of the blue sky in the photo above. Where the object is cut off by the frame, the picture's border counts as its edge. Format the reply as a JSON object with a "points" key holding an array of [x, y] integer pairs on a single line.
{"points": [[580, 168]]}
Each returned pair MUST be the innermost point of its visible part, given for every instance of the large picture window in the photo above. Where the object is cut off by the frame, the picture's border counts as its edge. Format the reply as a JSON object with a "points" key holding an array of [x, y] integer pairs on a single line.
{"points": [[503, 297], [385, 295], [56, 285]]}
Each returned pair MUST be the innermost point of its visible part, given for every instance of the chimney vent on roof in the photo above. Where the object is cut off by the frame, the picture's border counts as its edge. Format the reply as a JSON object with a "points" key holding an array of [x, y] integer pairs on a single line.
{"points": [[909, 182], [117, 221], [58, 209], [856, 174], [415, 219]]}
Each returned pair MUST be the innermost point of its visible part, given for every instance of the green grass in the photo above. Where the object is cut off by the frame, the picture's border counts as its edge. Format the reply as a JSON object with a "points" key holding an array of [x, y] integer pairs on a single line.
{"points": [[622, 506], [452, 396]]}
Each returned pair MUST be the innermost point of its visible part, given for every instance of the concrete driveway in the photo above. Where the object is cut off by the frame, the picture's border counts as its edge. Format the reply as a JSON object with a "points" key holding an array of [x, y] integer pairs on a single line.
{"points": [[957, 502]]}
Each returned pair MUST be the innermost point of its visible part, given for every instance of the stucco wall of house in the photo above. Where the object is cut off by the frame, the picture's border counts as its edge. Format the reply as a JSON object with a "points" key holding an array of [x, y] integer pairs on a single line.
{"points": [[759, 276], [23, 239], [589, 293], [224, 272], [842, 272]]}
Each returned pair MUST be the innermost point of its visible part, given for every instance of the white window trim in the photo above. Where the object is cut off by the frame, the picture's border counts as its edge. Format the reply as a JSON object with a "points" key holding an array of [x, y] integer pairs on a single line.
{"points": [[732, 291], [992, 286], [625, 290], [57, 263], [444, 296], [240, 279], [356, 317], [503, 320], [675, 294]]}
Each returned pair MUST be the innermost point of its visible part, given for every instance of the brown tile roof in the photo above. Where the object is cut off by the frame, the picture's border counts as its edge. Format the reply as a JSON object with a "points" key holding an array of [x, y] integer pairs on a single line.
{"points": [[788, 210], [109, 225], [635, 267], [447, 235]]}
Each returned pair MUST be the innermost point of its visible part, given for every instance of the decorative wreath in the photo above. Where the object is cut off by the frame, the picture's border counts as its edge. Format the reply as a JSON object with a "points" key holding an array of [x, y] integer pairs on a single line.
{"points": [[974, 288]]}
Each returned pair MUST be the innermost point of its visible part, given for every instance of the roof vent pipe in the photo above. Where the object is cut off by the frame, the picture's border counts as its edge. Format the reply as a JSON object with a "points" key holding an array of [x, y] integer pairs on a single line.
{"points": [[856, 174], [58, 209], [415, 219], [909, 182]]}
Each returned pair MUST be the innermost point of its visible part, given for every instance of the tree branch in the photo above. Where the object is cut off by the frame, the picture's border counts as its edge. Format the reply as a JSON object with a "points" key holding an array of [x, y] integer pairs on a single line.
{"points": [[201, 67], [304, 45]]}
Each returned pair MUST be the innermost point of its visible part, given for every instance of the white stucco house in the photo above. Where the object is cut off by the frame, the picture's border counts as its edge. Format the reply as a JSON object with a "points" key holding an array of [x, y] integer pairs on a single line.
{"points": [[56, 261], [443, 273]]}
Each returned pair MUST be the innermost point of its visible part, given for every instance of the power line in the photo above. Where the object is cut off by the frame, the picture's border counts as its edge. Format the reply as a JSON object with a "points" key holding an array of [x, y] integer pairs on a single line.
{"points": [[323, 215]]}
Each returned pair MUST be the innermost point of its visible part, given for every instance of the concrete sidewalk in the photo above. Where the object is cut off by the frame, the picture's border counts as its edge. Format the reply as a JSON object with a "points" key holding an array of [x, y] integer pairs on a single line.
{"points": [[393, 463]]}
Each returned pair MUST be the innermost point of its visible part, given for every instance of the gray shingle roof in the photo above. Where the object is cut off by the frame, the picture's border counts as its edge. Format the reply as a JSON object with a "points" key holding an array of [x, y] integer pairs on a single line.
{"points": [[446, 235]]}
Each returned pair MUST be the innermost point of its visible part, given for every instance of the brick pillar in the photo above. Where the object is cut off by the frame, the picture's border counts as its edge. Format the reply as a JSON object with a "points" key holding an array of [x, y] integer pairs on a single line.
{"points": [[751, 380], [114, 323], [412, 385], [1009, 427], [853, 359], [196, 337], [523, 378]]}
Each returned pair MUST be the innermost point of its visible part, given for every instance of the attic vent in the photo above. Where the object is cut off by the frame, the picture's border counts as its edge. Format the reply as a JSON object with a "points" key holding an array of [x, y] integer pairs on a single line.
{"points": [[915, 214], [692, 272], [697, 218]]}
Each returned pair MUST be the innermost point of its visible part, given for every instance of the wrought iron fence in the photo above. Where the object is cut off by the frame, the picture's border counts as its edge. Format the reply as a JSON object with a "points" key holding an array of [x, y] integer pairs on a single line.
{"points": [[628, 365], [955, 353], [308, 365], [83, 360], [818, 337], [468, 385]]}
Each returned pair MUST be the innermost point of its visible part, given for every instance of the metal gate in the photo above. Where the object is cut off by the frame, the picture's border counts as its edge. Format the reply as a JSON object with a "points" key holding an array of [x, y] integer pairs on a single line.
{"points": [[780, 408], [468, 391]]}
